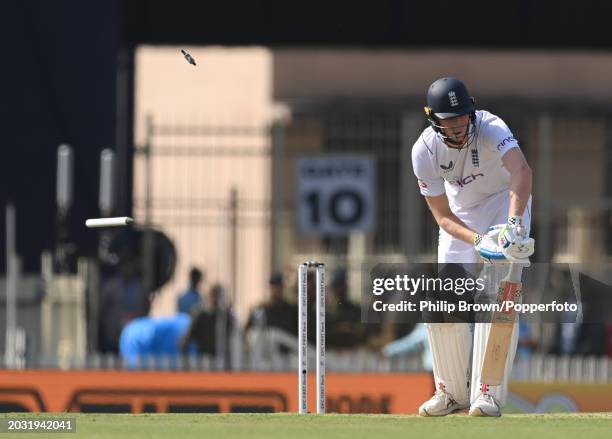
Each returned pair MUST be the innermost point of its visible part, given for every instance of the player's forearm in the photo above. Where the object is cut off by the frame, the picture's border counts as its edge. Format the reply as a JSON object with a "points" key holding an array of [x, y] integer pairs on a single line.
{"points": [[456, 228], [447, 220], [520, 190]]}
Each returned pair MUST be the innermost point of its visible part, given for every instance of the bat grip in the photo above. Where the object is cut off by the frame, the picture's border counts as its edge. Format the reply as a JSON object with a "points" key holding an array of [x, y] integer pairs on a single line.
{"points": [[515, 272]]}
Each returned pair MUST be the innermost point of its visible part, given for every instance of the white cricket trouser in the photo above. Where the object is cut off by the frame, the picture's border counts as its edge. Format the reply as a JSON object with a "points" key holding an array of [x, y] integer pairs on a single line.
{"points": [[451, 343]]}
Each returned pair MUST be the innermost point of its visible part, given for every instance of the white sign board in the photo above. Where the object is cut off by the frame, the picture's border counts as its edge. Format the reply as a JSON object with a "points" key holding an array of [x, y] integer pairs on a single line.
{"points": [[335, 194]]}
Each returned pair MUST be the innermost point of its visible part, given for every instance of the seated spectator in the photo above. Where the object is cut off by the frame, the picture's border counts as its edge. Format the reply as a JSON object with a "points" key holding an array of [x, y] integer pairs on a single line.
{"points": [[147, 337], [190, 301]]}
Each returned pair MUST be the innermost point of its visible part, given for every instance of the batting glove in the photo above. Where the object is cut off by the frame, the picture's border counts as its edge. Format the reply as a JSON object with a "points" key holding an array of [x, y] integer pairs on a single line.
{"points": [[514, 240], [487, 246]]}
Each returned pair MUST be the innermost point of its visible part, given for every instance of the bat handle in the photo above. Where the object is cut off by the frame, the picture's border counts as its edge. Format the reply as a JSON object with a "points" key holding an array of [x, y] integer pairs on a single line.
{"points": [[515, 272]]}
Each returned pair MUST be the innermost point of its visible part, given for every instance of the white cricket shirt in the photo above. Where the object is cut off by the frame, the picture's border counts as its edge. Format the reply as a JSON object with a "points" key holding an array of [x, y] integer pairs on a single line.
{"points": [[469, 176]]}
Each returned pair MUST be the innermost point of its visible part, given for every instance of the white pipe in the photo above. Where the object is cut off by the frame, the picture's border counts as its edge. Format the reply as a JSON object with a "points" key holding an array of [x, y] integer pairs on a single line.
{"points": [[109, 222]]}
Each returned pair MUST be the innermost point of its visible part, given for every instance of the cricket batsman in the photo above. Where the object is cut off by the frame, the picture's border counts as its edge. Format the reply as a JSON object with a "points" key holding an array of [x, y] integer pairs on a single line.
{"points": [[473, 176]]}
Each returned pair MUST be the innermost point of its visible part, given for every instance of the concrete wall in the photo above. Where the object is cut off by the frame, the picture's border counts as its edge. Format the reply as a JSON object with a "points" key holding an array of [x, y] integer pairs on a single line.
{"points": [[228, 87], [314, 73]]}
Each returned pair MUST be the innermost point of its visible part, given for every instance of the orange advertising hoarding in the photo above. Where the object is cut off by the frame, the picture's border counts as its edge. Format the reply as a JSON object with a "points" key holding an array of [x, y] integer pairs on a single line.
{"points": [[137, 392], [559, 397]]}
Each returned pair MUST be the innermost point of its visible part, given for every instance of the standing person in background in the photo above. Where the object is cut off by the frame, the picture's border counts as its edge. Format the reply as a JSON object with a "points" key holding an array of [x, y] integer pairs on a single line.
{"points": [[414, 341], [123, 298], [191, 300], [272, 325], [211, 327], [344, 327], [276, 312]]}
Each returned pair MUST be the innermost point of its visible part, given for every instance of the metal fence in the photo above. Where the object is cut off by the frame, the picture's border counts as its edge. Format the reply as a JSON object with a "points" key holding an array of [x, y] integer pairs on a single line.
{"points": [[208, 189], [535, 368]]}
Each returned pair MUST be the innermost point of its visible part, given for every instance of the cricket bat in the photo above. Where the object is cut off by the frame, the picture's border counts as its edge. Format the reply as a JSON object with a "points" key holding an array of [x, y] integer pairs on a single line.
{"points": [[502, 325]]}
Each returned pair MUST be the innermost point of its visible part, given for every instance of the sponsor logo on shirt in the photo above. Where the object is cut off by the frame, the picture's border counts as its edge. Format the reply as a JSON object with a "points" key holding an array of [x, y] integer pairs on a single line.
{"points": [[447, 167], [466, 180], [504, 142], [422, 184]]}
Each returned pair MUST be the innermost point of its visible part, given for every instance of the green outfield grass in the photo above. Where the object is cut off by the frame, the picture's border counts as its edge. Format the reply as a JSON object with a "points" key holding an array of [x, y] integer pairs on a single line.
{"points": [[289, 426]]}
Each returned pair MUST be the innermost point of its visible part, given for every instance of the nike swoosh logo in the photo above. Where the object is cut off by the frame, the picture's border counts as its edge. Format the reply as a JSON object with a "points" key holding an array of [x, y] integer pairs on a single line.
{"points": [[446, 168]]}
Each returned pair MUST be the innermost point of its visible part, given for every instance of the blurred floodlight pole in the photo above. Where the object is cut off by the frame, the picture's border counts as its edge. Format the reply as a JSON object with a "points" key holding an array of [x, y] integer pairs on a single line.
{"points": [[148, 242], [12, 273], [64, 195], [107, 182], [65, 173], [544, 186]]}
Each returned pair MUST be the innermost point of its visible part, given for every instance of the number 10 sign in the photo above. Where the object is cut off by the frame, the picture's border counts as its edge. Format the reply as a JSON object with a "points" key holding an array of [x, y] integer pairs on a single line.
{"points": [[335, 194]]}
